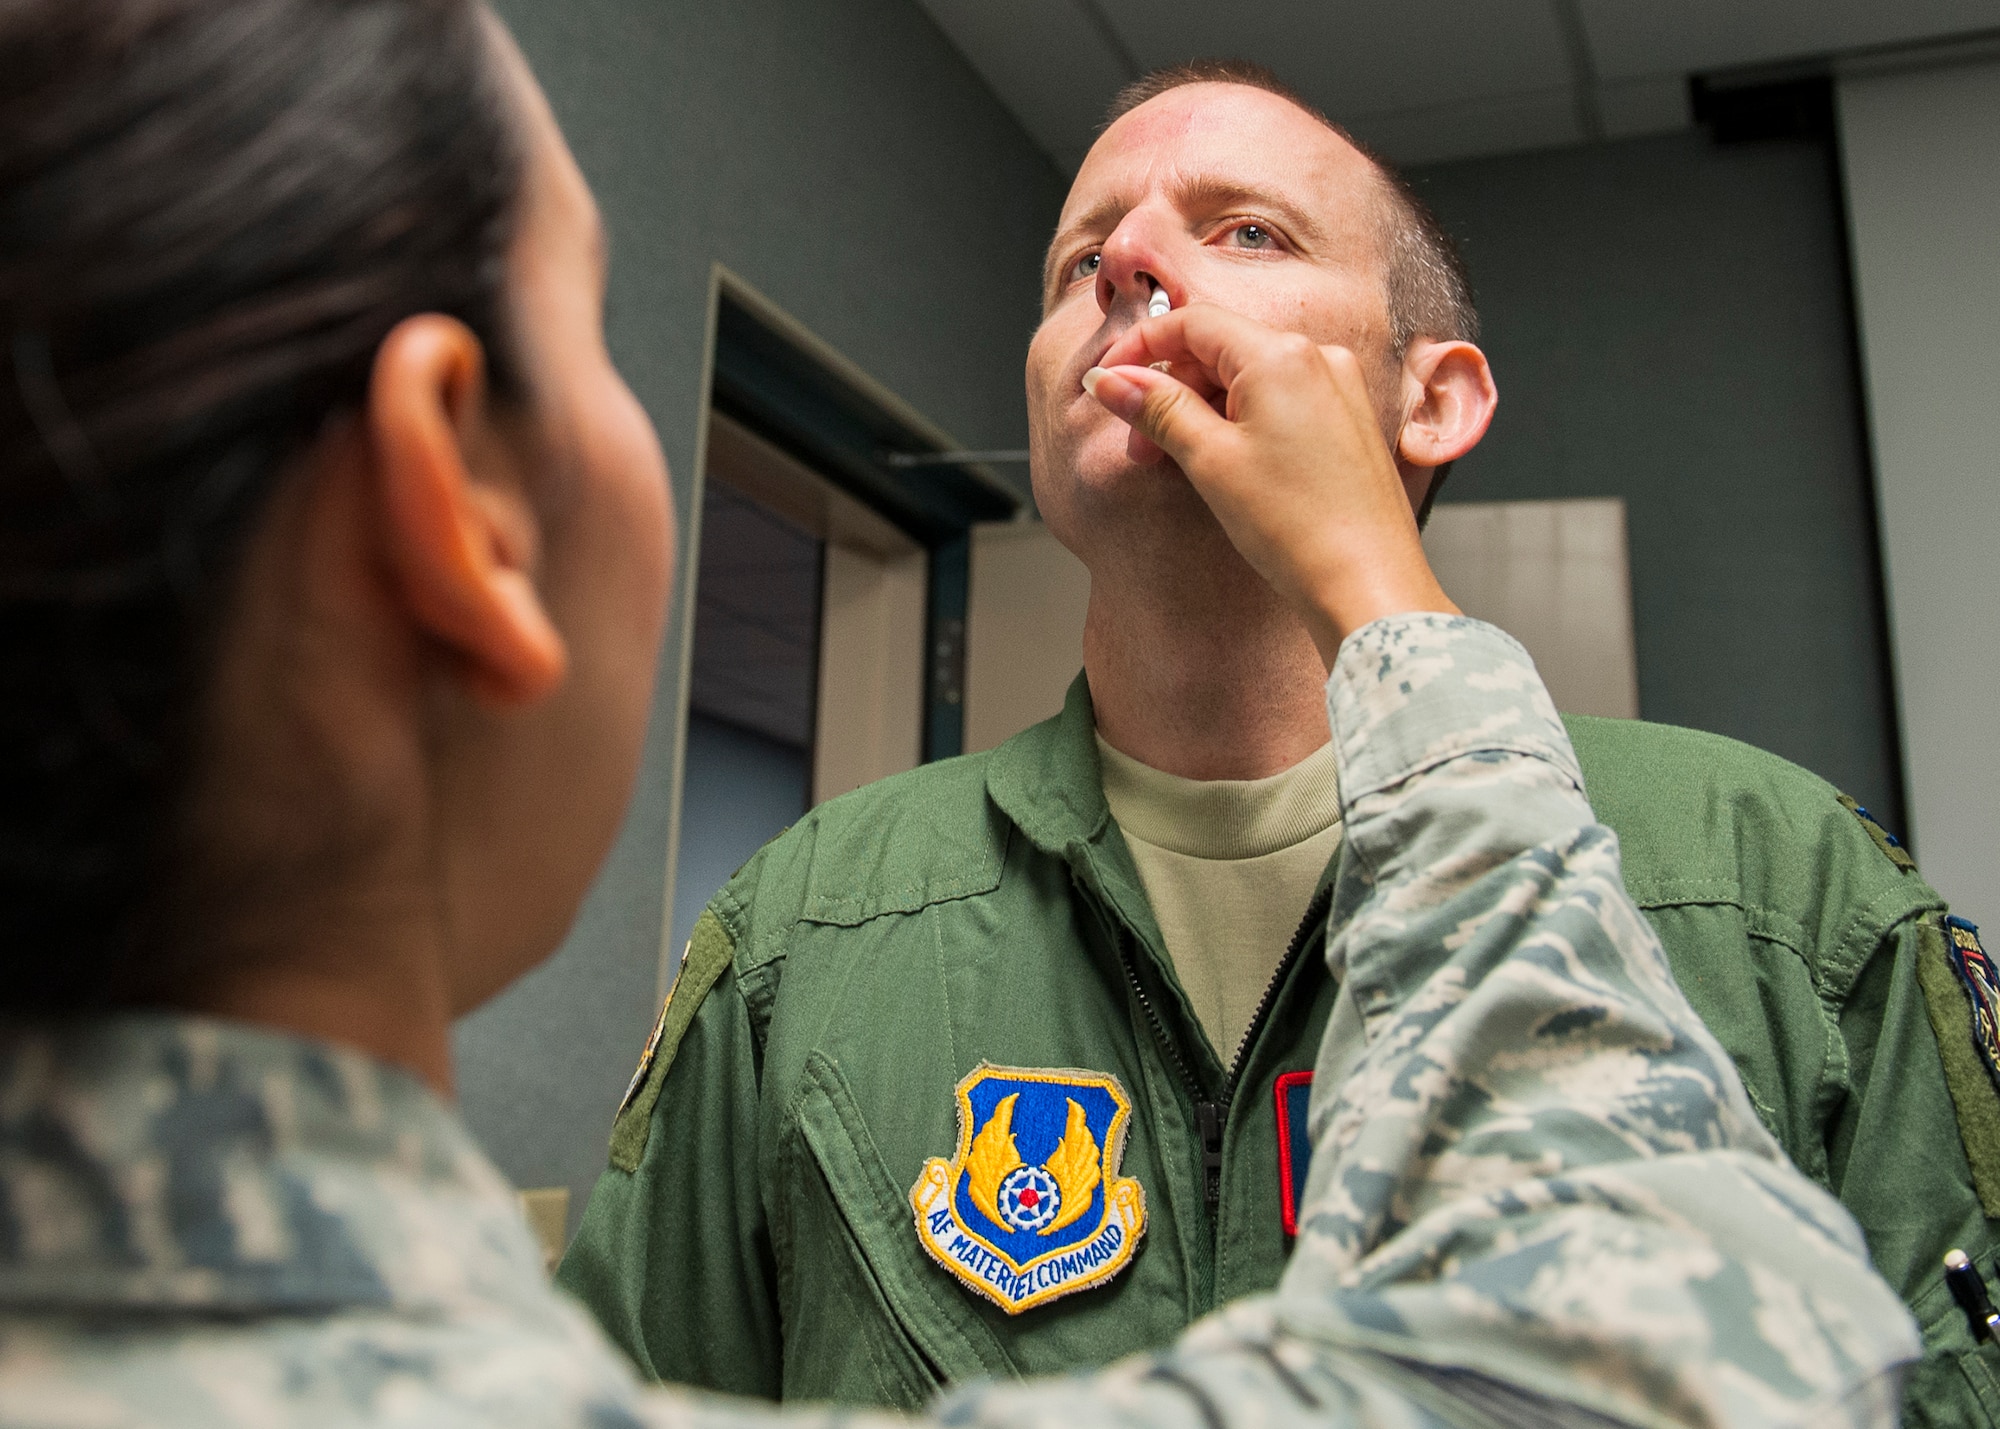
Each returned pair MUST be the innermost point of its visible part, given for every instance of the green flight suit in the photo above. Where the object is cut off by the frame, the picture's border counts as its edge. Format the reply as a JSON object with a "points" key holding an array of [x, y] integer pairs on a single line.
{"points": [[754, 1232]]}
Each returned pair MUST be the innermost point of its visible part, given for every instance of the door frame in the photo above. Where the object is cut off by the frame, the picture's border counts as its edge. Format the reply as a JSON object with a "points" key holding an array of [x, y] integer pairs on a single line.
{"points": [[831, 413]]}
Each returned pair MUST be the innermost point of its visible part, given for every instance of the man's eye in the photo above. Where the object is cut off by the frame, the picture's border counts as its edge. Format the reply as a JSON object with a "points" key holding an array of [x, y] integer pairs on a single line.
{"points": [[1085, 267], [1252, 235]]}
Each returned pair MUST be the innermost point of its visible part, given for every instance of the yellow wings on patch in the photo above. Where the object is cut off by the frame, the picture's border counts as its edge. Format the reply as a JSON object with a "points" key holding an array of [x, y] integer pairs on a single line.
{"points": [[1076, 1166], [992, 1155]]}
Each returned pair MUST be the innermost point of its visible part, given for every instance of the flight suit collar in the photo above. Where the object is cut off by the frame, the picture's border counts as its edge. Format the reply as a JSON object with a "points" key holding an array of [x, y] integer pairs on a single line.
{"points": [[1047, 778], [1048, 781], [158, 1162]]}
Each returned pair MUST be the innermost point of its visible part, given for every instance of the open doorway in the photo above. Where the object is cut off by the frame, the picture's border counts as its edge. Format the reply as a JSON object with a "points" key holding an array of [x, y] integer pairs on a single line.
{"points": [[751, 687], [826, 618]]}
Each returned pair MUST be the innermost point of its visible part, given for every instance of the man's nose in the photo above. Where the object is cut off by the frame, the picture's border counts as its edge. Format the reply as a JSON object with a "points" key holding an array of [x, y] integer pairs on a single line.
{"points": [[1133, 264]]}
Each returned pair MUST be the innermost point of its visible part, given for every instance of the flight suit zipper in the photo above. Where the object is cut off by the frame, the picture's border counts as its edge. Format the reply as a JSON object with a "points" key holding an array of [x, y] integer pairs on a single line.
{"points": [[1211, 1114], [1208, 1117]]}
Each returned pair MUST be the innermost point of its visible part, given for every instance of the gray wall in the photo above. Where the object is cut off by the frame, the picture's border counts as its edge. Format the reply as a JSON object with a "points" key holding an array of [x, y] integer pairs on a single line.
{"points": [[840, 156], [1669, 322], [1922, 155]]}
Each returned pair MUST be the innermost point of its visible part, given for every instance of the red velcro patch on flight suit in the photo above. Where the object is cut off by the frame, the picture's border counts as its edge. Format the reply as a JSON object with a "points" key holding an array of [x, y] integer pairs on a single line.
{"points": [[1295, 1146]]}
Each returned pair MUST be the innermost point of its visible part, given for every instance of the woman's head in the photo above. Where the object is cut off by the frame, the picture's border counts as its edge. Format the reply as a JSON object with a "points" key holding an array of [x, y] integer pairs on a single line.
{"points": [[332, 550]]}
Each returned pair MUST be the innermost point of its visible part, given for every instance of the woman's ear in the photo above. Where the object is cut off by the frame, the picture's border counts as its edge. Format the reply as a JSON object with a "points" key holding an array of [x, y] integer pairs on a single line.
{"points": [[1448, 399], [463, 550]]}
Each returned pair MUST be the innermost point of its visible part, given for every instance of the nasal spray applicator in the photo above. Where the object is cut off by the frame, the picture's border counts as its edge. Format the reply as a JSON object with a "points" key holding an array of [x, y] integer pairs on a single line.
{"points": [[1159, 307]]}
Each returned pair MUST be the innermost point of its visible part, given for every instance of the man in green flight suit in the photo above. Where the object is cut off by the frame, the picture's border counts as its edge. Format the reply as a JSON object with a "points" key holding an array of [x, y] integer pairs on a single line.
{"points": [[869, 1094]]}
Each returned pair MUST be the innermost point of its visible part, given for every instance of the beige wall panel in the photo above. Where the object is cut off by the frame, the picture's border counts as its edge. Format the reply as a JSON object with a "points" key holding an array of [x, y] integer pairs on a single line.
{"points": [[1023, 630], [869, 724], [1555, 575]]}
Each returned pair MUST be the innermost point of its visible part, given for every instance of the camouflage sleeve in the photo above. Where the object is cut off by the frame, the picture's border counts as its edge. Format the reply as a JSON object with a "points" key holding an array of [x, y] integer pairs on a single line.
{"points": [[1541, 1196]]}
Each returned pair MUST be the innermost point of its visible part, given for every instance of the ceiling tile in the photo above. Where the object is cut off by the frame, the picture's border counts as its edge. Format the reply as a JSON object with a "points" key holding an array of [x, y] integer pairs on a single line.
{"points": [[1433, 134], [1357, 57], [1046, 61], [1652, 104], [1451, 77], [1629, 38]]}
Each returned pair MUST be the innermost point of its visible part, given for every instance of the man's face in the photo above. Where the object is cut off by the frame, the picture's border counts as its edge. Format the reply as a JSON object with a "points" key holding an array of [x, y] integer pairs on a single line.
{"points": [[1219, 193]]}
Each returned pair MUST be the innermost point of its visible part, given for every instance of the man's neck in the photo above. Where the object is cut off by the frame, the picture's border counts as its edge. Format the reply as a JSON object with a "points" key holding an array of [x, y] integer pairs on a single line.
{"points": [[1206, 677]]}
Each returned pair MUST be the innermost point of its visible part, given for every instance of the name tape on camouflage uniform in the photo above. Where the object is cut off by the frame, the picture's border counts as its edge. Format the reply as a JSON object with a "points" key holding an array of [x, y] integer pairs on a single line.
{"points": [[1032, 1208]]}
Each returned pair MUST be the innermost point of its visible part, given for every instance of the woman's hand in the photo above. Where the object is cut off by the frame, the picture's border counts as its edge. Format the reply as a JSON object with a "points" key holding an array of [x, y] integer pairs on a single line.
{"points": [[1294, 466]]}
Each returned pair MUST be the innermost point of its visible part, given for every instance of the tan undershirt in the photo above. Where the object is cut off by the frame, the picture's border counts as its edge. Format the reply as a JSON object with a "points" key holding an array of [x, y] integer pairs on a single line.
{"points": [[1230, 866]]}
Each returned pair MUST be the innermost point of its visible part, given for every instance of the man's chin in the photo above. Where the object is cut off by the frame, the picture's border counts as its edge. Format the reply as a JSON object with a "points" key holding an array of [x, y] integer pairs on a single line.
{"points": [[1123, 460]]}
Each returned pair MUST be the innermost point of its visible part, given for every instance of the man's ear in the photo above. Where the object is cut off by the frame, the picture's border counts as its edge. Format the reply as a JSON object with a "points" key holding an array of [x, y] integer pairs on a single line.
{"points": [[1448, 401], [463, 550]]}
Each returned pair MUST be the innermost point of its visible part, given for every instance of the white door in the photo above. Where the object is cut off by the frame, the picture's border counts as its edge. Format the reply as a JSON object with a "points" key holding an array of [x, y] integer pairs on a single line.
{"points": [[1554, 574], [1023, 629]]}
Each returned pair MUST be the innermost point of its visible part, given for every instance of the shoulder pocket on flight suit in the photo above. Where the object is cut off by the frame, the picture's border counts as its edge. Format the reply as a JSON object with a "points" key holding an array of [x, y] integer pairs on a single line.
{"points": [[910, 1329]]}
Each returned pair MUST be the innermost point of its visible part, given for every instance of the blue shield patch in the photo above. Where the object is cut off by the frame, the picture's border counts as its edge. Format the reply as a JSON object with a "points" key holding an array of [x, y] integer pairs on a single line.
{"points": [[1032, 1208]]}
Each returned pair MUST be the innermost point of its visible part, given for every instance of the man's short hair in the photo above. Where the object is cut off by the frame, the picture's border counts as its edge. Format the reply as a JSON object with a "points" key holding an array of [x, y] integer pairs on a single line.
{"points": [[1429, 294]]}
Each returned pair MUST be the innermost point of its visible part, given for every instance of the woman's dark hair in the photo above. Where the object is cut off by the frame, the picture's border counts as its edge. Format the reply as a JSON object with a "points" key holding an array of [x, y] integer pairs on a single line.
{"points": [[211, 214]]}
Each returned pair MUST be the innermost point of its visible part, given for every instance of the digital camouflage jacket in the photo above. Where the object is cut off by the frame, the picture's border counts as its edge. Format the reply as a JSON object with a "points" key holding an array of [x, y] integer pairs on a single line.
{"points": [[205, 1225], [1537, 1192]]}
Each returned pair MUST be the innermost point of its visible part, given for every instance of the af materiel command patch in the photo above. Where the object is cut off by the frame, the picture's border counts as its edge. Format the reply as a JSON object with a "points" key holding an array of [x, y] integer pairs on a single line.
{"points": [[1032, 1208]]}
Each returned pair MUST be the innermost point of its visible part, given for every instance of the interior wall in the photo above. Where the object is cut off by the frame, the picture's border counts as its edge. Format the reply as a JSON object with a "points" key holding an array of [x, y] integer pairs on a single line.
{"points": [[841, 157], [1669, 322], [1922, 158]]}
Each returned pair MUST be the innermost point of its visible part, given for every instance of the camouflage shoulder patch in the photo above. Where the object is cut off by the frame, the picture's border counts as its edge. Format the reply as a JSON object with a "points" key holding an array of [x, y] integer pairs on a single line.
{"points": [[1957, 981], [1032, 1208], [1891, 846], [709, 951]]}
